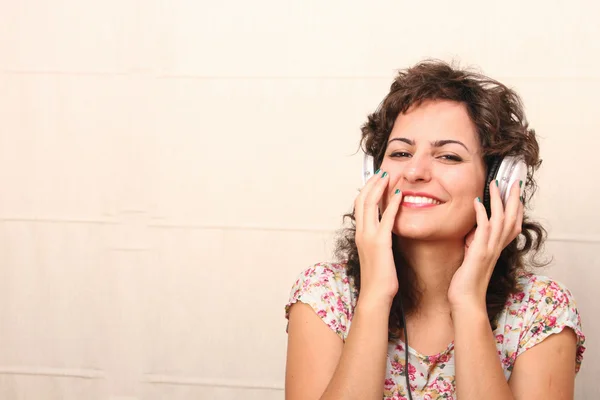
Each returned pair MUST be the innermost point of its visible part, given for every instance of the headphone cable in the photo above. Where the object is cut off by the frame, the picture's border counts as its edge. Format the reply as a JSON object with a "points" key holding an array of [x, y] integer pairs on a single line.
{"points": [[405, 350]]}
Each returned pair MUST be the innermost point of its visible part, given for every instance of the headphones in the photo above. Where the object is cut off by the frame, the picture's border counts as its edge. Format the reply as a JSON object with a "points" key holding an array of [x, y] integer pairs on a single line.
{"points": [[506, 170]]}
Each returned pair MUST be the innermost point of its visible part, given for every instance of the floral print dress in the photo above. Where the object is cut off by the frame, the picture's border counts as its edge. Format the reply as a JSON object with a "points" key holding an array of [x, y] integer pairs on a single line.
{"points": [[540, 308]]}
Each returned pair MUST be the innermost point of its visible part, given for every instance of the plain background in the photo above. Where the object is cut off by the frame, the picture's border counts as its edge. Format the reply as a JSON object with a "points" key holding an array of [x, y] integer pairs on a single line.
{"points": [[168, 167]]}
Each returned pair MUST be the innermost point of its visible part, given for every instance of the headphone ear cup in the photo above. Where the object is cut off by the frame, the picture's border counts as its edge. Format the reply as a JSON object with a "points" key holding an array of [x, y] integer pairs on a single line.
{"points": [[492, 172], [368, 168]]}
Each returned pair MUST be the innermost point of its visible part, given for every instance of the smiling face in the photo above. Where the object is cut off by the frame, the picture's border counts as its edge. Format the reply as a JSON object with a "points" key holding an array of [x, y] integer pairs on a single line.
{"points": [[434, 157]]}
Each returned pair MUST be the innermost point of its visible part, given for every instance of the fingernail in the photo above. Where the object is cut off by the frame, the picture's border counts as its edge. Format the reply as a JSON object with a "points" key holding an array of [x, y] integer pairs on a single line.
{"points": [[384, 175], [376, 172], [520, 183], [397, 191], [496, 182], [479, 200]]}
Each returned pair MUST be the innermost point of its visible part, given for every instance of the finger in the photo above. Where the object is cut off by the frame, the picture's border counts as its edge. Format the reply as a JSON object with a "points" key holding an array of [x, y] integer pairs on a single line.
{"points": [[371, 203], [359, 202], [469, 238], [498, 216], [519, 222], [482, 232], [390, 213]]}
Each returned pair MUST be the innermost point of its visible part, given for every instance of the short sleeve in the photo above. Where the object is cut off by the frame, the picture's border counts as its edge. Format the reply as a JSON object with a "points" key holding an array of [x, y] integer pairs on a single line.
{"points": [[551, 308], [327, 290]]}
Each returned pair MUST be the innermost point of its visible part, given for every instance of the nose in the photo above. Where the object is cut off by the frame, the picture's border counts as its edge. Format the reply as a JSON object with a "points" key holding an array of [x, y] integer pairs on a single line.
{"points": [[417, 169]]}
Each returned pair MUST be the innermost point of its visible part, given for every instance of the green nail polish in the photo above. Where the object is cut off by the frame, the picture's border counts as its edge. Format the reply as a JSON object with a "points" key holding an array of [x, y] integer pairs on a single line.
{"points": [[520, 183], [397, 191], [496, 182], [384, 175], [479, 200], [376, 172]]}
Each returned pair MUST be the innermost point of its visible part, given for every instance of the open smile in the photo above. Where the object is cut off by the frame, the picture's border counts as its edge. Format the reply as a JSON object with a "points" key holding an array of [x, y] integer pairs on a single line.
{"points": [[420, 200]]}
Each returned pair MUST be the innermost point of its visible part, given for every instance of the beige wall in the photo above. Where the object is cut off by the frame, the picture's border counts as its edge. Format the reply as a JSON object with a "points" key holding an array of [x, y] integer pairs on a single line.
{"points": [[169, 166]]}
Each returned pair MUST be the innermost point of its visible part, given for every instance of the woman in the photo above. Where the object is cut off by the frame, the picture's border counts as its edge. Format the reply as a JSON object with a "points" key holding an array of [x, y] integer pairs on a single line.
{"points": [[424, 258]]}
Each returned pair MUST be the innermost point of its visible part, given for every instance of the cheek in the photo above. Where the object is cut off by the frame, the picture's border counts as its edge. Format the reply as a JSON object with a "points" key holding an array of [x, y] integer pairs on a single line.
{"points": [[464, 185], [464, 191]]}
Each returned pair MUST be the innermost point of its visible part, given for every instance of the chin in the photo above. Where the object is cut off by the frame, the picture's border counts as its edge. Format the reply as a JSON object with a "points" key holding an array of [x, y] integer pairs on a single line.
{"points": [[416, 232], [428, 231]]}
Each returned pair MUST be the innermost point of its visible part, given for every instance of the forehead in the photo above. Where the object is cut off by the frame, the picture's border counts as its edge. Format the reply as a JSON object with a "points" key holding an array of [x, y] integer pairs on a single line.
{"points": [[436, 120]]}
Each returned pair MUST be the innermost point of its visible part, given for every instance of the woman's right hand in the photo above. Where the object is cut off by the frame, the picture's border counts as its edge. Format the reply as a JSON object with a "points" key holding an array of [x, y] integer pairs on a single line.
{"points": [[378, 278]]}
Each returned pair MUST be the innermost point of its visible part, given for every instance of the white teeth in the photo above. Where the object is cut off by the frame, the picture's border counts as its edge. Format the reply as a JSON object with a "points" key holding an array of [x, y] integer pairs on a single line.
{"points": [[419, 200]]}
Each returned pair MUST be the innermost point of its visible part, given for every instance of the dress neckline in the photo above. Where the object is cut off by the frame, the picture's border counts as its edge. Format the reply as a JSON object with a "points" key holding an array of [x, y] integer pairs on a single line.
{"points": [[429, 358]]}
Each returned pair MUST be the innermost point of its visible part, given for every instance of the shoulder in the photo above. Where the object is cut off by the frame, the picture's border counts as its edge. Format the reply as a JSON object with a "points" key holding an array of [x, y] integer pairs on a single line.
{"points": [[539, 307], [540, 294], [329, 291], [325, 273], [542, 285]]}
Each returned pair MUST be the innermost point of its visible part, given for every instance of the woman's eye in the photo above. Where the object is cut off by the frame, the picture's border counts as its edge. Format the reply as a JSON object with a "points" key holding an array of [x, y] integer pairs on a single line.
{"points": [[400, 154], [451, 157]]}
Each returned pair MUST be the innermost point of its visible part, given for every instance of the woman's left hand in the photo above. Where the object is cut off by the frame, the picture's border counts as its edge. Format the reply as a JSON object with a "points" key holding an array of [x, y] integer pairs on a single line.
{"points": [[483, 246]]}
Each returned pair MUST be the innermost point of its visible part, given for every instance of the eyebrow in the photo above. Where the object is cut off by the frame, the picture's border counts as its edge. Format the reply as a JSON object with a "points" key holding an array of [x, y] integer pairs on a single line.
{"points": [[437, 143]]}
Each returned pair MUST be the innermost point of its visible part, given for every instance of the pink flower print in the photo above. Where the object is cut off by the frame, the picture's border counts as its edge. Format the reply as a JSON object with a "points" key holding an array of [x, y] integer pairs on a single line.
{"points": [[499, 338], [445, 387], [411, 372], [397, 367], [519, 296], [551, 320], [340, 307], [305, 285], [442, 386], [523, 308], [542, 291], [509, 360], [444, 358], [388, 384], [322, 313]]}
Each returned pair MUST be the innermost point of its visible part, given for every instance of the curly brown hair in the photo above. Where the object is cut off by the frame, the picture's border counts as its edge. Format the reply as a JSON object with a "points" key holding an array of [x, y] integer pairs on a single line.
{"points": [[497, 113]]}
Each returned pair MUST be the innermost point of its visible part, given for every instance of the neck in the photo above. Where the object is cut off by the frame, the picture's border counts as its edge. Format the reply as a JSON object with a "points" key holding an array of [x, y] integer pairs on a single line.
{"points": [[434, 264]]}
